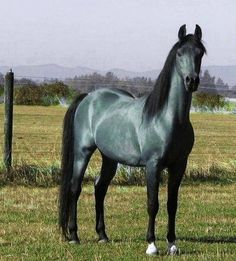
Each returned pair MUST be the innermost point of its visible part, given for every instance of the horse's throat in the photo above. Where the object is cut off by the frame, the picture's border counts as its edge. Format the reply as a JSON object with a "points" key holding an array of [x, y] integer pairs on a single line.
{"points": [[179, 101]]}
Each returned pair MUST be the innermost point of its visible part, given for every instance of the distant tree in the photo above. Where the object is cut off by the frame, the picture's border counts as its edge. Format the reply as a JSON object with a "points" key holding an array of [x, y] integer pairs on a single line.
{"points": [[25, 81], [207, 80], [150, 82], [1, 79], [86, 83], [220, 82], [110, 77], [200, 74], [1, 84]]}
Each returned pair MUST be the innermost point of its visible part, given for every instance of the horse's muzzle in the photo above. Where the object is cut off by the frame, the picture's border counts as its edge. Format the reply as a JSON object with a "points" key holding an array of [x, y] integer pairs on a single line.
{"points": [[192, 83]]}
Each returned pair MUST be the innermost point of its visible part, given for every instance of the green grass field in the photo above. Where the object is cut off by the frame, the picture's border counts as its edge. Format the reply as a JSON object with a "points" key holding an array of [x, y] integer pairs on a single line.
{"points": [[205, 224], [206, 217]]}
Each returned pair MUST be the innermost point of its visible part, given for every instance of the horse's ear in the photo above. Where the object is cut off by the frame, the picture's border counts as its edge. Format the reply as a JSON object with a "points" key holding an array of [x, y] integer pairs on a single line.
{"points": [[182, 32], [198, 32]]}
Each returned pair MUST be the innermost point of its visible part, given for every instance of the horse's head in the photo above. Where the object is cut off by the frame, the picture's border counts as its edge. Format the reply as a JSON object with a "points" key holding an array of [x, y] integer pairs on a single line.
{"points": [[189, 57]]}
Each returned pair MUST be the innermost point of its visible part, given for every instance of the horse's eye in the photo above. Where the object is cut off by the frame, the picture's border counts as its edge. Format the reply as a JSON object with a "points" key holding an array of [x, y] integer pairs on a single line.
{"points": [[179, 53], [199, 52]]}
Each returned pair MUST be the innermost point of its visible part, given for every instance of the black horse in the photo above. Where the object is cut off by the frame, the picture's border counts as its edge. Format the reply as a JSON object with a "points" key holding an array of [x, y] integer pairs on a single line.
{"points": [[152, 131]]}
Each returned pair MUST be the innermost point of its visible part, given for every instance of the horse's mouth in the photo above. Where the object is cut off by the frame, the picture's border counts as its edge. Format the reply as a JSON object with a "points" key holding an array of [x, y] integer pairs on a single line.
{"points": [[192, 87], [191, 83]]}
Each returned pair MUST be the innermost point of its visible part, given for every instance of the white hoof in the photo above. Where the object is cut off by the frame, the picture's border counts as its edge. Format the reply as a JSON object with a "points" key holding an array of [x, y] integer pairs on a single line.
{"points": [[73, 242], [152, 249], [103, 241], [172, 249]]}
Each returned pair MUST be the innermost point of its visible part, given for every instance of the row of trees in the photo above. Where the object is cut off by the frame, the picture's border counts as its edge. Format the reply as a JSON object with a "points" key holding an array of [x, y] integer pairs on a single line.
{"points": [[88, 83], [96, 79], [210, 81], [28, 92], [137, 85]]}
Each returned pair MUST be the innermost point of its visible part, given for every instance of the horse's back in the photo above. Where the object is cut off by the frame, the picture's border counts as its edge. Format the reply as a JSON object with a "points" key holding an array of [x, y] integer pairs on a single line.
{"points": [[111, 96]]}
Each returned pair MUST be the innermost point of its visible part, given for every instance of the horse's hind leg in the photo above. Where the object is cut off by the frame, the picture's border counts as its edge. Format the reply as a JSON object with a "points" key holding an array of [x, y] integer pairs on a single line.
{"points": [[81, 159], [101, 185]]}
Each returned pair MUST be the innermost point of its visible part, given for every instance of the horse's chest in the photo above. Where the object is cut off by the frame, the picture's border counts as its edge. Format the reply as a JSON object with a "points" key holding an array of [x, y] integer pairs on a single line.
{"points": [[168, 144], [179, 144]]}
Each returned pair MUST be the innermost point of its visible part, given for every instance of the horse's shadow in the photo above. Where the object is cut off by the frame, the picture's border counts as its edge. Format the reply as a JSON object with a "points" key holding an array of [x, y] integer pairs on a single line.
{"points": [[210, 240], [204, 239], [163, 251]]}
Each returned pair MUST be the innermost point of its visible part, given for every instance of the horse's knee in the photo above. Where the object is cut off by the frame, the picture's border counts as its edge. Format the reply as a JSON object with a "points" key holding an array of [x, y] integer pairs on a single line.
{"points": [[75, 186], [153, 208]]}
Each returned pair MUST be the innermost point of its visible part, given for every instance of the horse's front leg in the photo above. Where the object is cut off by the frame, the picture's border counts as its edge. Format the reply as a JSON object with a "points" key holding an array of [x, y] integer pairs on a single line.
{"points": [[176, 172], [153, 178]]}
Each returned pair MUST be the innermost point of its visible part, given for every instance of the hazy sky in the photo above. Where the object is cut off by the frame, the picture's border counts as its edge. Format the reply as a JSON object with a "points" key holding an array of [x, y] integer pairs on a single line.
{"points": [[104, 34]]}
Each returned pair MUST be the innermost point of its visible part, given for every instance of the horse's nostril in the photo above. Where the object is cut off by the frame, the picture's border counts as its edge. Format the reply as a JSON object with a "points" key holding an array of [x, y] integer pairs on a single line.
{"points": [[188, 79]]}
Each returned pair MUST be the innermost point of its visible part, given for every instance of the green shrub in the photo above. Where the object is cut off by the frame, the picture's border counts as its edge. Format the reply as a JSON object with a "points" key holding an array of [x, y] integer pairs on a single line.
{"points": [[27, 95], [49, 100], [207, 100], [45, 94], [230, 106], [58, 88], [1, 90]]}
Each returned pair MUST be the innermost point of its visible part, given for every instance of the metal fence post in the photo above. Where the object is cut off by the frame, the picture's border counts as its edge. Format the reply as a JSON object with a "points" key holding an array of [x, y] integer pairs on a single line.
{"points": [[8, 123]]}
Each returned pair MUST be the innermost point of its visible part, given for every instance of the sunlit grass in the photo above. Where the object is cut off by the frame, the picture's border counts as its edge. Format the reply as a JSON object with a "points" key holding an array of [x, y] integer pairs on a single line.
{"points": [[205, 224], [28, 216]]}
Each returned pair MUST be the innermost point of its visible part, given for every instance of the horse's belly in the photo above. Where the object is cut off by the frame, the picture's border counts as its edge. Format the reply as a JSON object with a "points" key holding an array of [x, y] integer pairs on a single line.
{"points": [[128, 158], [118, 143]]}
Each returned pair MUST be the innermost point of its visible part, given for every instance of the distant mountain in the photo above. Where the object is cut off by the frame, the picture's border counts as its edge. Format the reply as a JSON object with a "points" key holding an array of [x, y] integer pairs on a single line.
{"points": [[226, 73], [47, 71]]}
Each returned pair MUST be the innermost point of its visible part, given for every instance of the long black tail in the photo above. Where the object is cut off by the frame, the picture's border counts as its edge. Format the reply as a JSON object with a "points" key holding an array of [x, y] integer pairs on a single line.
{"points": [[67, 162]]}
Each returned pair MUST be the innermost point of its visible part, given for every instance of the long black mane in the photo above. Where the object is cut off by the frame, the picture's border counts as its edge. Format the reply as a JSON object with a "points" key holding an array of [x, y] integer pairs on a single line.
{"points": [[157, 98]]}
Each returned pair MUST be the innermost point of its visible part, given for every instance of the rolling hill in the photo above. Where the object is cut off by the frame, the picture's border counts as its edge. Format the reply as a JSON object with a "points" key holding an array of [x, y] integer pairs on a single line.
{"points": [[226, 73]]}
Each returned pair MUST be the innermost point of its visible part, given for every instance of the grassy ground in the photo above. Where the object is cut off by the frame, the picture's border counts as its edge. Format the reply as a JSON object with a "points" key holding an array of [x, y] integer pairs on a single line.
{"points": [[205, 224], [28, 216]]}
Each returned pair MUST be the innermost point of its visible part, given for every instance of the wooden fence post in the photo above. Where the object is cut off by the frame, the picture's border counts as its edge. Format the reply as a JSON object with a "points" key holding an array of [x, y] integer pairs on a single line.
{"points": [[8, 100]]}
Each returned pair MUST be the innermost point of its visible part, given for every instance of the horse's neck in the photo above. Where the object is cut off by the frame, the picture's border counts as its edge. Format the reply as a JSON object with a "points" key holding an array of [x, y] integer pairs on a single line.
{"points": [[179, 101]]}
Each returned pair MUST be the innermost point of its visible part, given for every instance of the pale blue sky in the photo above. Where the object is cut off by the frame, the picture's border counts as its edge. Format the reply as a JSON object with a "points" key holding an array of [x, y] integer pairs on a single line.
{"points": [[104, 34]]}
